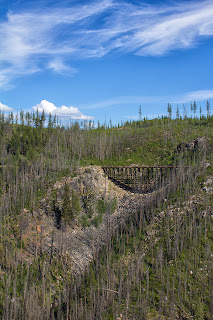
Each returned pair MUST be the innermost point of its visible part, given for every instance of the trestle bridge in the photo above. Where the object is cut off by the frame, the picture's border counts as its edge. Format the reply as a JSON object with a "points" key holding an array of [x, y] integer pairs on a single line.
{"points": [[144, 179]]}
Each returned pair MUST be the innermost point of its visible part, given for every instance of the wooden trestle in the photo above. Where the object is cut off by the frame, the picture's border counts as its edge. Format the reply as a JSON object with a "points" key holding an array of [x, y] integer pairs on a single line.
{"points": [[141, 178]]}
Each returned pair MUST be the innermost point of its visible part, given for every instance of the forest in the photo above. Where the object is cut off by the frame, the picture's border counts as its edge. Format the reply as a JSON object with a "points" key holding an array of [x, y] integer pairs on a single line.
{"points": [[153, 252]]}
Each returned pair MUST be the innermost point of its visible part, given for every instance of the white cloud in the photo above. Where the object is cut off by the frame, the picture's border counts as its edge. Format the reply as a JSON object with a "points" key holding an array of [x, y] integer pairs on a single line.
{"points": [[199, 95], [179, 30], [3, 107], [57, 65], [32, 41], [63, 111], [41, 39], [150, 30]]}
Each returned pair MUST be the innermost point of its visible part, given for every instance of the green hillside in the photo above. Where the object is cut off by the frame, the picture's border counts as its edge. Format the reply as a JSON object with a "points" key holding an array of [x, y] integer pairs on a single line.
{"points": [[158, 264]]}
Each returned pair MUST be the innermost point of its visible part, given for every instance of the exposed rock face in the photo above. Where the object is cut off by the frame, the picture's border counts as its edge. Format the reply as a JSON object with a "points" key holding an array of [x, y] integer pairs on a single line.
{"points": [[192, 145], [208, 185], [80, 242], [87, 178]]}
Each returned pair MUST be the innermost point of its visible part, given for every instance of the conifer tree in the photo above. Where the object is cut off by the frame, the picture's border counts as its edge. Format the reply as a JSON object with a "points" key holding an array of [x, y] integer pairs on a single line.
{"points": [[67, 212], [177, 113], [16, 120], [43, 119], [194, 108], [11, 117], [208, 109], [37, 119], [191, 108], [22, 117], [184, 112], [200, 112], [169, 110], [54, 121], [140, 112], [50, 123]]}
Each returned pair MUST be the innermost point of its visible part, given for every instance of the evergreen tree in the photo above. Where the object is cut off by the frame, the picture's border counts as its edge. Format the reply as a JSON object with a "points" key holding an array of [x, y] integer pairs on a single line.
{"points": [[200, 112], [50, 123], [43, 119], [33, 118], [37, 119], [16, 120], [194, 108], [54, 121], [140, 113], [169, 110], [22, 117], [208, 108], [67, 212], [11, 117], [191, 108], [26, 118], [110, 123], [177, 113], [184, 112], [2, 117]]}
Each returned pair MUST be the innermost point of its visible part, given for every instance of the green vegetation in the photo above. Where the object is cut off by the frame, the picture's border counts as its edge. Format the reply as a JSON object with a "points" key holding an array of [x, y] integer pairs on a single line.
{"points": [[70, 207], [157, 265]]}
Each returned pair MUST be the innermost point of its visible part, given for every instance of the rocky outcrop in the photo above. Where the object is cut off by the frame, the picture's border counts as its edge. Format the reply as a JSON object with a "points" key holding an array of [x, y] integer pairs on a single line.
{"points": [[76, 240], [199, 143]]}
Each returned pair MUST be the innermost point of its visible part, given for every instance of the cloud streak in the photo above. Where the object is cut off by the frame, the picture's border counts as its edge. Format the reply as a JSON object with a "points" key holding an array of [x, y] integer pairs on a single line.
{"points": [[200, 95], [37, 40], [125, 100]]}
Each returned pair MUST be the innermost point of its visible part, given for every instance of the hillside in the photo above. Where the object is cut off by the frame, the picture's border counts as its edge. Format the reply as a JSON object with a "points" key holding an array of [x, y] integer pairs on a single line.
{"points": [[73, 245]]}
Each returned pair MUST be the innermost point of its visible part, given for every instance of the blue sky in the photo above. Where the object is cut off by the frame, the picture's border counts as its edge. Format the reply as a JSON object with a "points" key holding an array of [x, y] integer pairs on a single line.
{"points": [[102, 59]]}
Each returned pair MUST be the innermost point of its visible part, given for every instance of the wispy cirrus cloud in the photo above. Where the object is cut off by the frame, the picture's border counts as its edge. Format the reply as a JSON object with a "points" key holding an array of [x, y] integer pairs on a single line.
{"points": [[199, 95], [125, 100], [63, 111], [37, 39], [187, 97]]}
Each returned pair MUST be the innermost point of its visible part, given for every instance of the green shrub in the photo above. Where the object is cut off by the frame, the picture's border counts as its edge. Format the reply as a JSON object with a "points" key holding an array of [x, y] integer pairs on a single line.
{"points": [[101, 206]]}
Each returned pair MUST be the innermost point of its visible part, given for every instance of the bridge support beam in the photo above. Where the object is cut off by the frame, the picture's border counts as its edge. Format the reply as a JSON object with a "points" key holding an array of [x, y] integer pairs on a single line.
{"points": [[144, 179]]}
